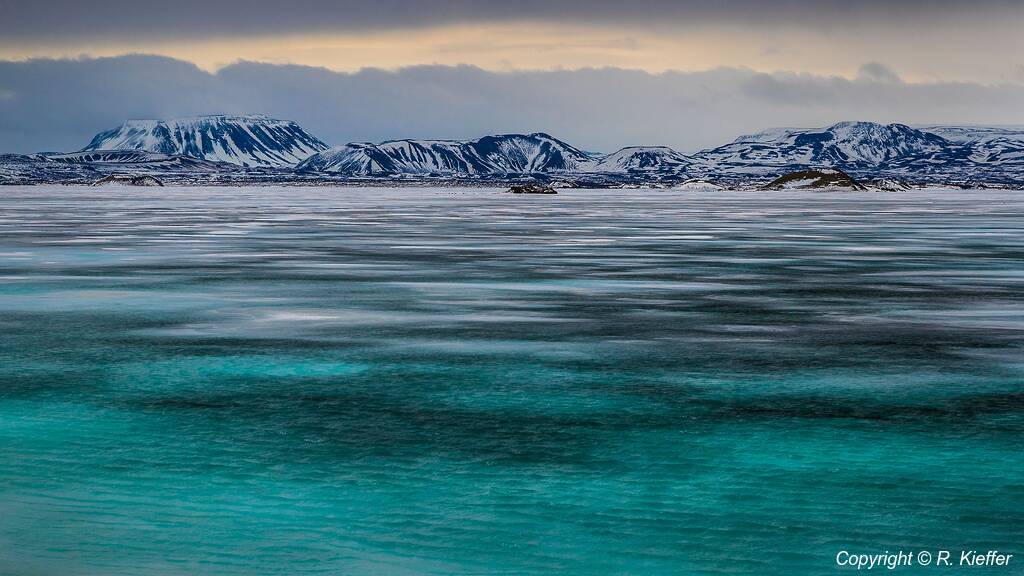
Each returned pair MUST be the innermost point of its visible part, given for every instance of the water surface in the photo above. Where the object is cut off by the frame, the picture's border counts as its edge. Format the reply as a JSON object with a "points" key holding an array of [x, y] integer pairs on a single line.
{"points": [[408, 381]]}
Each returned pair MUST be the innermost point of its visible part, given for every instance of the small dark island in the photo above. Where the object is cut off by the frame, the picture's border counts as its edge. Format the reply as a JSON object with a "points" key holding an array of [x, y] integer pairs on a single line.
{"points": [[531, 189], [815, 179], [128, 180]]}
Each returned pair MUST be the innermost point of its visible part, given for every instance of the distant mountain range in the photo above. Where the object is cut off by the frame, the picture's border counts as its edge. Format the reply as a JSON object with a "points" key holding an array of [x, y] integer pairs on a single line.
{"points": [[848, 145], [255, 148]]}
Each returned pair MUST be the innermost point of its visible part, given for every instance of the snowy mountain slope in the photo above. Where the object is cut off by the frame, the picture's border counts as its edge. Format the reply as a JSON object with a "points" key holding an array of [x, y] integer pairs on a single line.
{"points": [[135, 159], [846, 144], [988, 144], [537, 152], [642, 158], [396, 157], [361, 159], [967, 134], [502, 154], [252, 140], [87, 167]]}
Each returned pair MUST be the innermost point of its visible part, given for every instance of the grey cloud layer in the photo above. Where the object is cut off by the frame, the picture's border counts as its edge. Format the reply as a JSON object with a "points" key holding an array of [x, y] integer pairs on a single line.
{"points": [[63, 20], [59, 104]]}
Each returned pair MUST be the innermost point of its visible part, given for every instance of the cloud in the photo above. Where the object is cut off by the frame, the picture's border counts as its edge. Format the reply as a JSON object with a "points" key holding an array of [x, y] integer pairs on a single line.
{"points": [[877, 72], [821, 36], [62, 19], [61, 104]]}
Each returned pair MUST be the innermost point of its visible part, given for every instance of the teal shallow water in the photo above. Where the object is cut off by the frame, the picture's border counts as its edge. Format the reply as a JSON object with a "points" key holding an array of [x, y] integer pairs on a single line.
{"points": [[325, 381]]}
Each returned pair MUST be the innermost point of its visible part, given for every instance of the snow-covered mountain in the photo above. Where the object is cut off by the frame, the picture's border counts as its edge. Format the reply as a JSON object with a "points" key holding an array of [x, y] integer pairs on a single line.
{"points": [[846, 145], [241, 148], [967, 134], [251, 140], [642, 159], [987, 144], [502, 154], [946, 155]]}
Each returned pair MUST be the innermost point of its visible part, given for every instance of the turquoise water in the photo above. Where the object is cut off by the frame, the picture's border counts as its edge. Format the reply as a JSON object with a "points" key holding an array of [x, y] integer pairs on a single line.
{"points": [[330, 381]]}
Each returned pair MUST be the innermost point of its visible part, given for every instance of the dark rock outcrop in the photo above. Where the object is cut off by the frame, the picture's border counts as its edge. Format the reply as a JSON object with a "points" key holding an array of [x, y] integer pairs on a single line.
{"points": [[128, 181], [888, 185], [821, 179], [531, 189]]}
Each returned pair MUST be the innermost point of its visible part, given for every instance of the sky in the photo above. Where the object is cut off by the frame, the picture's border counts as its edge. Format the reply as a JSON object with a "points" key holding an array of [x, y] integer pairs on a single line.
{"points": [[598, 73]]}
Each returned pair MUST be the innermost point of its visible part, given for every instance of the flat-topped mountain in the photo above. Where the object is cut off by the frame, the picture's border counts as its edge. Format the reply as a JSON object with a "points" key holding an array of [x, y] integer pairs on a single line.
{"points": [[250, 140]]}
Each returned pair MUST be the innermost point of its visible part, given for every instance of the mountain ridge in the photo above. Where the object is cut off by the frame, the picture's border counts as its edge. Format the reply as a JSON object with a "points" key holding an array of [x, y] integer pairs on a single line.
{"points": [[257, 148], [849, 144], [497, 154]]}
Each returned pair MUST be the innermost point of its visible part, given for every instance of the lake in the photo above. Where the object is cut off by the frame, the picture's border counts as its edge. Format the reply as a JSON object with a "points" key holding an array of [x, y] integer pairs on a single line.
{"points": [[298, 381]]}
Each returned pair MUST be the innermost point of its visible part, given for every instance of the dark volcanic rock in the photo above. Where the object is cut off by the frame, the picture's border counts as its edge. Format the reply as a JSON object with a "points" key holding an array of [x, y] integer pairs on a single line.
{"points": [[531, 189], [887, 185], [128, 181], [822, 179]]}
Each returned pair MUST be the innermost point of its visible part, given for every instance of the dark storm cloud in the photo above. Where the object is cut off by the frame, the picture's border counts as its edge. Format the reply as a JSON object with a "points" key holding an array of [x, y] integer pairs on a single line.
{"points": [[60, 104], [113, 20]]}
